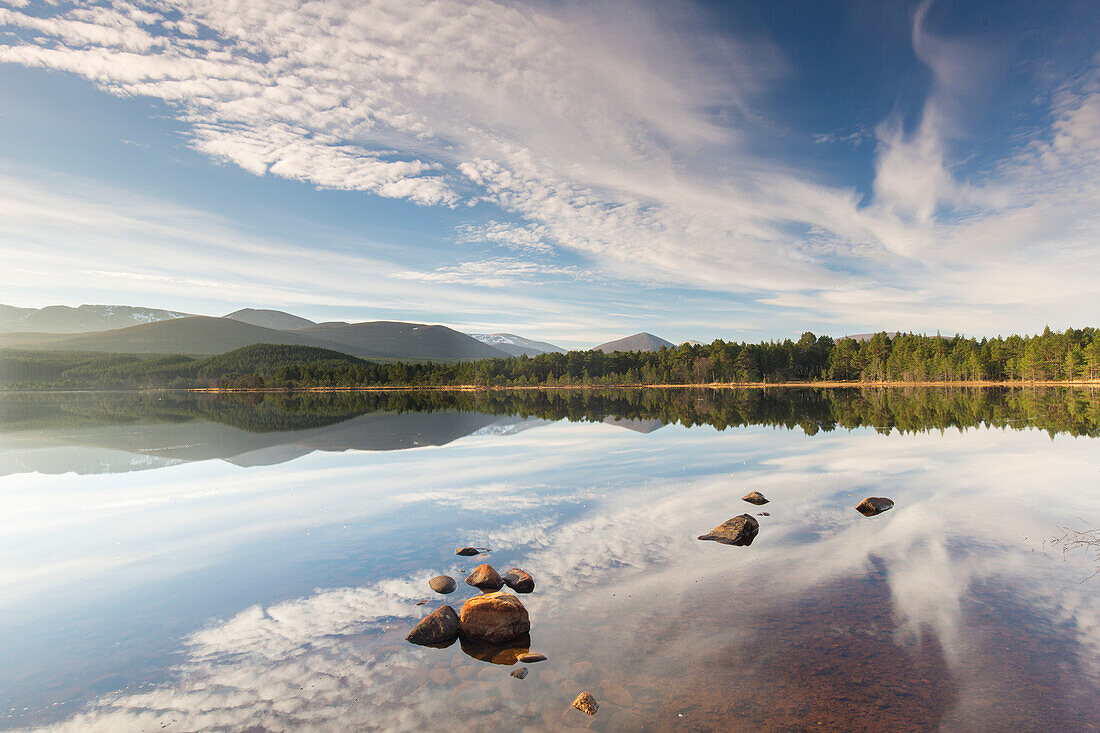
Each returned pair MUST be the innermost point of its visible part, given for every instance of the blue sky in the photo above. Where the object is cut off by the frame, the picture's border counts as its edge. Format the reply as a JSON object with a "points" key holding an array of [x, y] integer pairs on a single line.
{"points": [[567, 171]]}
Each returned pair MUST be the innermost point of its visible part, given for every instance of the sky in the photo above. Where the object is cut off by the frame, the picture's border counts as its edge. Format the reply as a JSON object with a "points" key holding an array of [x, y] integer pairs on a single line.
{"points": [[567, 171]]}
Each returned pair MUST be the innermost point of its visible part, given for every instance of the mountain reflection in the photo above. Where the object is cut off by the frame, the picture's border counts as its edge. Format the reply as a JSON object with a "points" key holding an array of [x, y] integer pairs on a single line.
{"points": [[125, 432]]}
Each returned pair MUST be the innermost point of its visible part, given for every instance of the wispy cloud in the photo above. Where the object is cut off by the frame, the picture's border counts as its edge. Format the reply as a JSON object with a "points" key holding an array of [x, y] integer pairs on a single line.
{"points": [[598, 133]]}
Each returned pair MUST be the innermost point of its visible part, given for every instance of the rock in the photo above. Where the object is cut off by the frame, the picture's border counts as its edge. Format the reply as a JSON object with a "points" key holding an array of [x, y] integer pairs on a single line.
{"points": [[471, 551], [506, 654], [531, 658], [739, 531], [873, 505], [438, 627], [763, 514], [485, 577], [494, 617], [421, 603], [754, 497], [520, 673], [586, 703], [443, 584], [519, 580]]}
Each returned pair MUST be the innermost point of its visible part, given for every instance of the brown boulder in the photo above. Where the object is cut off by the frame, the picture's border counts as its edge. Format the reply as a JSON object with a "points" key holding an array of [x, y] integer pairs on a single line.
{"points": [[438, 627], [519, 580], [520, 673], [586, 703], [471, 551], [531, 657], [494, 617], [754, 497], [873, 505], [485, 577], [443, 584], [739, 531]]}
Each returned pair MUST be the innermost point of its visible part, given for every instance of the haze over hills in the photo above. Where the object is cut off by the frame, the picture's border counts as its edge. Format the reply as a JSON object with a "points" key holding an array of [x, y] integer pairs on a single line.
{"points": [[399, 340], [517, 345], [136, 330], [638, 342], [65, 319], [278, 320]]}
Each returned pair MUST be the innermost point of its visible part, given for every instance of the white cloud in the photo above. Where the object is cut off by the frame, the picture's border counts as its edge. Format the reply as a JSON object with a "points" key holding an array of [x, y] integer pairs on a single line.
{"points": [[598, 130]]}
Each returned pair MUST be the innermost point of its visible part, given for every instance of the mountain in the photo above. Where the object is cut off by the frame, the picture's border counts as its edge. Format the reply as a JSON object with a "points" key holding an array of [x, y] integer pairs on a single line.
{"points": [[398, 340], [192, 335], [270, 319], [197, 335], [638, 342], [517, 345], [86, 318]]}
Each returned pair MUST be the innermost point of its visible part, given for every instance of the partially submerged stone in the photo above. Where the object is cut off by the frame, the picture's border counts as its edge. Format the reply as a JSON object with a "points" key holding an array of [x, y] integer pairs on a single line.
{"points": [[586, 703], [873, 505], [519, 580], [471, 551], [739, 531], [438, 627], [443, 584], [494, 617], [531, 657], [485, 577], [520, 673], [754, 497]]}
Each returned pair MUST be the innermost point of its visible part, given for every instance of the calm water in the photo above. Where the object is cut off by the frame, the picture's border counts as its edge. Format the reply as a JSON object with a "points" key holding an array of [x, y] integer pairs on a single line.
{"points": [[178, 563]]}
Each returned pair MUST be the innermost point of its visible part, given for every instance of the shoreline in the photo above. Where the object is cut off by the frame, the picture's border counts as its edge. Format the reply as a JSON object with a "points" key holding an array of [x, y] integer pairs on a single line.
{"points": [[1017, 384], [1093, 383]]}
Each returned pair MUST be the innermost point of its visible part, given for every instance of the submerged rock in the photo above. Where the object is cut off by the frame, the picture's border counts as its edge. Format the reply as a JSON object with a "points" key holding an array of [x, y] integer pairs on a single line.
{"points": [[471, 551], [873, 505], [739, 531], [507, 653], [763, 514], [443, 584], [519, 580], [754, 497], [422, 602], [586, 703], [438, 627], [520, 673], [485, 577], [494, 617], [531, 657]]}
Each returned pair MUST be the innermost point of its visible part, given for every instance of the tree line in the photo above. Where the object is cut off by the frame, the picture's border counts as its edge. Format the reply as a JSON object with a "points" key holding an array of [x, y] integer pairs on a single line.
{"points": [[1073, 354]]}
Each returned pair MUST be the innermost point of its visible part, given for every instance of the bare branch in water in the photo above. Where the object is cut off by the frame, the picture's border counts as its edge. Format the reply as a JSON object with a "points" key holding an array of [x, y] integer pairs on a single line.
{"points": [[1087, 540]]}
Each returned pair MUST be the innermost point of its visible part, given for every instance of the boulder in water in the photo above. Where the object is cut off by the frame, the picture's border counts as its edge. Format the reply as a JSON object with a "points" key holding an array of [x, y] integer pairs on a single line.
{"points": [[739, 531], [586, 703], [471, 551], [754, 497], [438, 627], [519, 580], [531, 657], [494, 618], [485, 577], [443, 584], [520, 673], [873, 505]]}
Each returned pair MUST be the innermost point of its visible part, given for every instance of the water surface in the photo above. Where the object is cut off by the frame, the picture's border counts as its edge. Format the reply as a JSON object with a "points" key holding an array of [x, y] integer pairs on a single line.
{"points": [[172, 562]]}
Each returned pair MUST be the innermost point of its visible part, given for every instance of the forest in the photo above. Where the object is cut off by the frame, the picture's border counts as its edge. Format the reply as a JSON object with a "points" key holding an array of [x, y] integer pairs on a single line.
{"points": [[1073, 354]]}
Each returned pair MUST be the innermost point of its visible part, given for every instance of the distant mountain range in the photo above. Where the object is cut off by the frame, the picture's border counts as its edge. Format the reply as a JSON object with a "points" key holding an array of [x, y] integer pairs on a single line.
{"points": [[638, 342], [128, 329], [517, 345], [64, 319]]}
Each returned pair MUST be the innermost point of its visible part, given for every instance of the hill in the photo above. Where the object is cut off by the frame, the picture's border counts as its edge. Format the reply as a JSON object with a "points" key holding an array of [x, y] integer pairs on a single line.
{"points": [[517, 345], [638, 342], [279, 320], [398, 340], [193, 335], [86, 318]]}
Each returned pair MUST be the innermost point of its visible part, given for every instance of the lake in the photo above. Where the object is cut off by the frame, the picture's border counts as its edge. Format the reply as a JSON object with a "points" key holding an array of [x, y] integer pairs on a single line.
{"points": [[183, 562]]}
